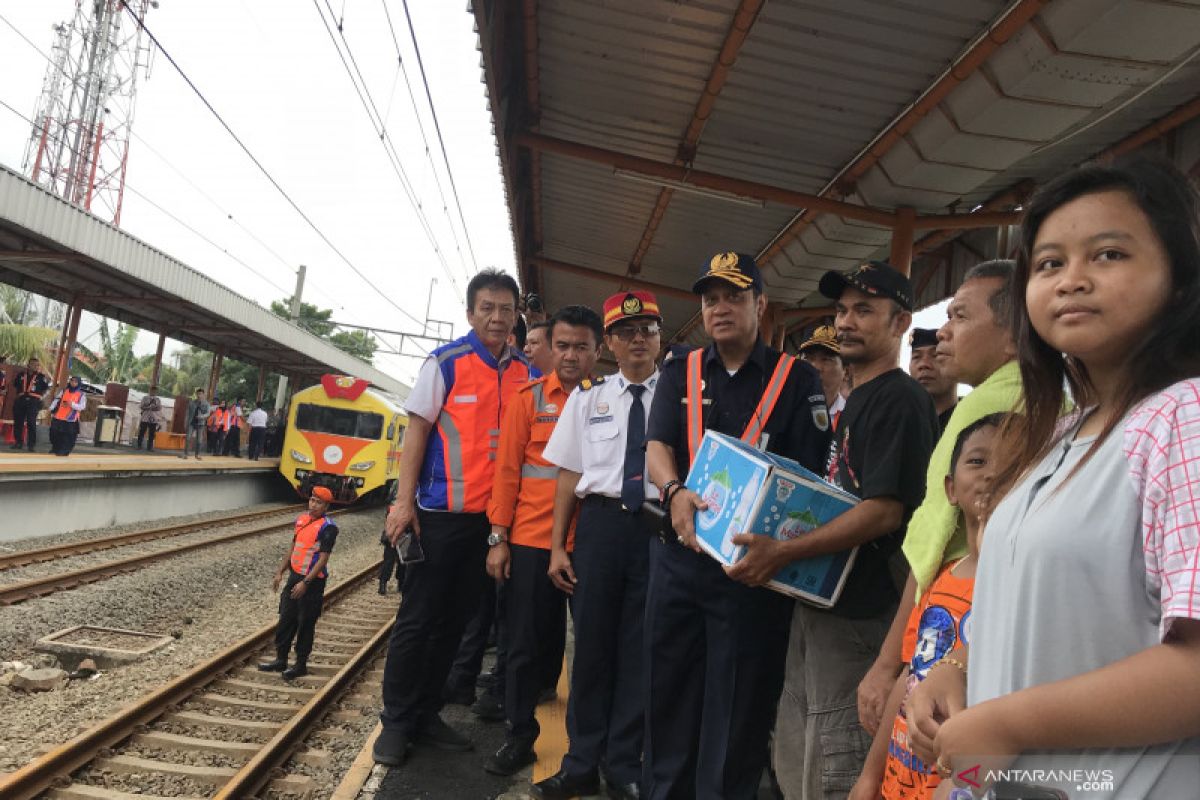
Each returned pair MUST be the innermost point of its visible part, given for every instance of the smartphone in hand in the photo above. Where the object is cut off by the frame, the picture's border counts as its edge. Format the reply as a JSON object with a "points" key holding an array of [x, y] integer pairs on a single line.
{"points": [[409, 549]]}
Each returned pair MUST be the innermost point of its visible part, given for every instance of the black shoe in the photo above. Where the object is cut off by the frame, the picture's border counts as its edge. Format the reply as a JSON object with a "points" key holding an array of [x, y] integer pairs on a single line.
{"points": [[297, 670], [383, 588], [458, 696], [624, 791], [511, 758], [391, 748], [563, 786], [486, 680], [437, 733], [278, 665], [17, 447], [488, 708], [547, 696]]}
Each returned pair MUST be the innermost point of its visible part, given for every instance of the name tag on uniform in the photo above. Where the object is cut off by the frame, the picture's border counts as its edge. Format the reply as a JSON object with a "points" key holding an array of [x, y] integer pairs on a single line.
{"points": [[707, 401], [546, 418], [465, 398], [599, 420]]}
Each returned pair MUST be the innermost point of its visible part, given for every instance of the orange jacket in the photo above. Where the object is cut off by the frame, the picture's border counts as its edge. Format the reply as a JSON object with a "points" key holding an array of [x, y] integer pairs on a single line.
{"points": [[524, 484]]}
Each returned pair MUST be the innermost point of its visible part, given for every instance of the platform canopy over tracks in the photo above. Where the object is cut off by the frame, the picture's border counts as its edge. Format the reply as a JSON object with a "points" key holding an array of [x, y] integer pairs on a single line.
{"points": [[52, 248], [640, 137]]}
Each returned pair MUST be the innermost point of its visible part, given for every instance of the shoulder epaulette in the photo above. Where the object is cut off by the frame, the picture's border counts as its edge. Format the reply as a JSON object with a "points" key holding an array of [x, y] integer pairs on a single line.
{"points": [[588, 383]]}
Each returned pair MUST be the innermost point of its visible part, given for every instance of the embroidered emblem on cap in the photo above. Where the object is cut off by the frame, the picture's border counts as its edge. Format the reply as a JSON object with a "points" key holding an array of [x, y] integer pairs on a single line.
{"points": [[631, 305]]}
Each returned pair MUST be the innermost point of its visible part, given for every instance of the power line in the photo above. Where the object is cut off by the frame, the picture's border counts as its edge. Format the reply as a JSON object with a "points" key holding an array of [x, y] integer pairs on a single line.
{"points": [[425, 139], [389, 148], [196, 90], [436, 125]]}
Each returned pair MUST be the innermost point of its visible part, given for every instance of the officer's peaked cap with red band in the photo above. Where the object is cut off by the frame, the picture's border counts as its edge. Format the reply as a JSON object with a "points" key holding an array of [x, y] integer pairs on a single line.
{"points": [[628, 305]]}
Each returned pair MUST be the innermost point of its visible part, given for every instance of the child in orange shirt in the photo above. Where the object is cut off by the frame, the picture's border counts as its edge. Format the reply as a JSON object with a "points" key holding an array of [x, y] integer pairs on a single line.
{"points": [[940, 624]]}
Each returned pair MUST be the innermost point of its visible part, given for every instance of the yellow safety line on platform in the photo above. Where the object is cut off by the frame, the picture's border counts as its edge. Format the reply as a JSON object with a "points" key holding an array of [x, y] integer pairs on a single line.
{"points": [[551, 745]]}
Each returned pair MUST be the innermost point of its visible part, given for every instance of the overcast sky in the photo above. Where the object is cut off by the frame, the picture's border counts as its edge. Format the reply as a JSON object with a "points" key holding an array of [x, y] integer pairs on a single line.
{"points": [[270, 69]]}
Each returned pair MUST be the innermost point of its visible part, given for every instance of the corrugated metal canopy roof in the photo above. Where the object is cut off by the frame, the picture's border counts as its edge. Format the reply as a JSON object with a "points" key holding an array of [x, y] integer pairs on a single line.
{"points": [[54, 249], [940, 107]]}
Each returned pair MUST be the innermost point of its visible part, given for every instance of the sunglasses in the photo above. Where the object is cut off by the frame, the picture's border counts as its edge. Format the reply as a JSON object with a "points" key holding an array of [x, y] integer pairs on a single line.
{"points": [[627, 333]]}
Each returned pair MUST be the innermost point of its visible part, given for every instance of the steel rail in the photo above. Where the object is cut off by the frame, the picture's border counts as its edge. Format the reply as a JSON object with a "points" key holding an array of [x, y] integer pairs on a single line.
{"points": [[46, 771], [105, 543], [37, 587]]}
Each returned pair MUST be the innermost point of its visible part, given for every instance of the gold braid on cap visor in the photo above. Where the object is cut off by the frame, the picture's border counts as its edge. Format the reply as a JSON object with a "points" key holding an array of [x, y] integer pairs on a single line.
{"points": [[738, 279]]}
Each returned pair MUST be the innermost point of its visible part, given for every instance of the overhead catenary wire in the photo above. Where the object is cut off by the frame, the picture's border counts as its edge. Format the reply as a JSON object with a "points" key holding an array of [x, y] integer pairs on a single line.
{"points": [[259, 165], [186, 179], [372, 110]]}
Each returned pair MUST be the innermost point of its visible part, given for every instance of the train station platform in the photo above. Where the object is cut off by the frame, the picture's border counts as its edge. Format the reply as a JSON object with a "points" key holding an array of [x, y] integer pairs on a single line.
{"points": [[100, 487]]}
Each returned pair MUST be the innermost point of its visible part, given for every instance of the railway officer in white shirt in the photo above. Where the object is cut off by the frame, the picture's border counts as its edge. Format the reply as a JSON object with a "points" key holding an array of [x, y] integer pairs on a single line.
{"points": [[599, 446]]}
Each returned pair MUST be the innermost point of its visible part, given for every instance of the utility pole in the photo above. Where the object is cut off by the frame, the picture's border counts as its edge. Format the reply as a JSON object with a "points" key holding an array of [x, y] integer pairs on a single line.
{"points": [[283, 381]]}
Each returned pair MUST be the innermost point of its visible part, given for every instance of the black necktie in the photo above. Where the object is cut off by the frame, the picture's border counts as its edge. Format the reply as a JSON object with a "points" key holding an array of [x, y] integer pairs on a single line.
{"points": [[633, 487]]}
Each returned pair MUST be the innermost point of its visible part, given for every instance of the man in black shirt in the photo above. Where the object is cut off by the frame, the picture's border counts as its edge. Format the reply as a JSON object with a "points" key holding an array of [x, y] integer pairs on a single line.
{"points": [[30, 386], [880, 453], [928, 371], [716, 648]]}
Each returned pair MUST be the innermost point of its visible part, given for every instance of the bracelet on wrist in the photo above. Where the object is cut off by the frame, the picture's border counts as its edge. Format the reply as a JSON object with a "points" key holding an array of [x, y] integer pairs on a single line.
{"points": [[954, 662], [669, 490]]}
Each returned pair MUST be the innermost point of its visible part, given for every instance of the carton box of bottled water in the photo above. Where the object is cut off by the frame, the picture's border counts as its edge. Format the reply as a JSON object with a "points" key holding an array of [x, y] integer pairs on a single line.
{"points": [[750, 491]]}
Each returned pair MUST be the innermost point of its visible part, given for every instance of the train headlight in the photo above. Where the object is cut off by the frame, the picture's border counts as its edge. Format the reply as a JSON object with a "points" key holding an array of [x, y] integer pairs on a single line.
{"points": [[300, 458], [362, 466]]}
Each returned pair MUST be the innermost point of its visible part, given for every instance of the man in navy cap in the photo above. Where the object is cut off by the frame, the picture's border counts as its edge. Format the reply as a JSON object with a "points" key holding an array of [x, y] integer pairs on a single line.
{"points": [[716, 647], [924, 366], [880, 452]]}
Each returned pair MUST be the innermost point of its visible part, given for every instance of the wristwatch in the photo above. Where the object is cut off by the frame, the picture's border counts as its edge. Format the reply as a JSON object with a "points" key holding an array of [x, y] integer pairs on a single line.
{"points": [[496, 538]]}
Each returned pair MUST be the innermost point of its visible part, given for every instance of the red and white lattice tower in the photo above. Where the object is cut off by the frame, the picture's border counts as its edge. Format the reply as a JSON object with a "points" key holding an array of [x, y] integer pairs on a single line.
{"points": [[79, 145]]}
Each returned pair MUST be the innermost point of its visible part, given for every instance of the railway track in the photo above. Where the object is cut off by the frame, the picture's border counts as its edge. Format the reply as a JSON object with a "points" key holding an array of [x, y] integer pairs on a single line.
{"points": [[38, 587], [350, 635], [43, 554]]}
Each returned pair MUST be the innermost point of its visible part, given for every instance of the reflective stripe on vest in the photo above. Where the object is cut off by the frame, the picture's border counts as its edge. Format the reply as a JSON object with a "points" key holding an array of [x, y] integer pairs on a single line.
{"points": [[306, 545], [66, 410], [534, 471], [758, 422]]}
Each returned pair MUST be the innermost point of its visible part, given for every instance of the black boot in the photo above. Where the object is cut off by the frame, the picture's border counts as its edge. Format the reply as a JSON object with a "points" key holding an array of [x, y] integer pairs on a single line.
{"points": [[278, 665], [297, 670], [383, 587]]}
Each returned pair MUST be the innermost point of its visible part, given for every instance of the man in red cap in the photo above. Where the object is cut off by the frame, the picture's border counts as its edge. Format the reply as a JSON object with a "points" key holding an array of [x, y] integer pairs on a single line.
{"points": [[599, 446], [300, 601]]}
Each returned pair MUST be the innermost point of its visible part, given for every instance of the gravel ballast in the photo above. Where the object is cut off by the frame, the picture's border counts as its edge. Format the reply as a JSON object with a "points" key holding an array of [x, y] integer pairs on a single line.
{"points": [[207, 599]]}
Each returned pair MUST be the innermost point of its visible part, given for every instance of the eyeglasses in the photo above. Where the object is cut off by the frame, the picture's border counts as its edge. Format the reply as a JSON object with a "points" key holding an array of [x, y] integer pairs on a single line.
{"points": [[627, 333]]}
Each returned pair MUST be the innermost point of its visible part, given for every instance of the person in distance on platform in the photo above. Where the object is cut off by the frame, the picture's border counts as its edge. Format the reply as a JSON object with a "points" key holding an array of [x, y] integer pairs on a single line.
{"points": [[929, 371], [537, 347], [198, 413], [257, 422], [521, 512], [444, 483], [30, 387], [304, 566], [151, 417], [716, 646], [599, 447], [234, 419], [216, 426], [64, 417]]}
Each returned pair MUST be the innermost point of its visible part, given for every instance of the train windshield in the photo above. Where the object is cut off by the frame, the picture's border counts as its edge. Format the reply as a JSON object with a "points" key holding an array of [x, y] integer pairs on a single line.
{"points": [[339, 421]]}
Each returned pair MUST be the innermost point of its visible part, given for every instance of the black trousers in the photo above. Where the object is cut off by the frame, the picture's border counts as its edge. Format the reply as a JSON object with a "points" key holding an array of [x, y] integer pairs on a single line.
{"points": [[214, 442], [468, 659], [605, 713], [62, 436], [536, 609], [716, 651], [298, 618], [25, 411], [145, 428], [232, 443], [440, 595], [255, 448], [391, 564]]}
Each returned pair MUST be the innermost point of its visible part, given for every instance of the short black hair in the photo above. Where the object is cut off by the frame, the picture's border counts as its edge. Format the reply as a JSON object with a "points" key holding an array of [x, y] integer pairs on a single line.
{"points": [[543, 325], [492, 278], [579, 316], [989, 421], [1000, 301]]}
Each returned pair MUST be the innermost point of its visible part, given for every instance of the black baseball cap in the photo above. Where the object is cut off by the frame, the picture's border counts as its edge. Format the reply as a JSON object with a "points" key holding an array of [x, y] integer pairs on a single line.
{"points": [[922, 337], [737, 269], [875, 278]]}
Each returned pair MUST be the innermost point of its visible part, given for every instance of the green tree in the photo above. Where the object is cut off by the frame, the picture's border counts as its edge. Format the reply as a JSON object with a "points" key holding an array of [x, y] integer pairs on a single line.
{"points": [[360, 344], [19, 343]]}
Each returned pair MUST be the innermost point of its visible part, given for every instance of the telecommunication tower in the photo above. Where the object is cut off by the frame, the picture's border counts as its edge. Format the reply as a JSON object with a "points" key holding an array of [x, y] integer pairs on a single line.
{"points": [[79, 145]]}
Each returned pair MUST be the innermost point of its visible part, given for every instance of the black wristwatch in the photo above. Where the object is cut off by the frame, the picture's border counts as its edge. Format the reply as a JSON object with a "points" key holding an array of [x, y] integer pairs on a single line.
{"points": [[668, 491]]}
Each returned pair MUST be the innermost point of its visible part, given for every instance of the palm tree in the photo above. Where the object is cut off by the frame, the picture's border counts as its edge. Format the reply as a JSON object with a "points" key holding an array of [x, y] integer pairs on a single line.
{"points": [[19, 343]]}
